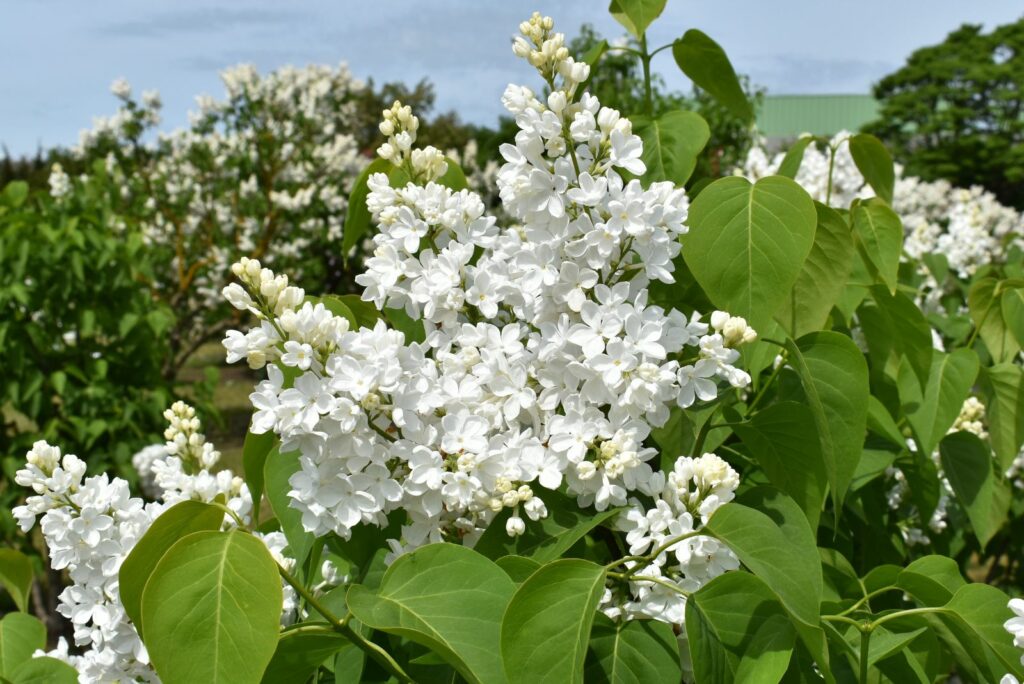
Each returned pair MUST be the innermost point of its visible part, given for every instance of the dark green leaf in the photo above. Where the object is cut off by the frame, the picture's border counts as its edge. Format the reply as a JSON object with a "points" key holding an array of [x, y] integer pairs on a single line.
{"points": [[931, 580], [254, 457], [300, 652], [1004, 387], [357, 216], [949, 382]]}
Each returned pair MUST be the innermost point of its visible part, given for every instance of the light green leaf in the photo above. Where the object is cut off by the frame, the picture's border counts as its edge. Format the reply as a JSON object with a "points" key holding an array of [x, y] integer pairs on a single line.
{"points": [[446, 597], [790, 164], [16, 576], [783, 440], [337, 306], [822, 277], [454, 177], [365, 313], [949, 382], [254, 457], [834, 376], [985, 496], [1004, 389], [874, 163], [632, 652], [747, 243], [931, 580], [879, 234], [212, 609], [672, 145], [787, 561], [300, 652], [177, 522], [16, 192], [546, 629], [548, 538], [44, 670], [636, 15], [705, 63], [983, 301], [737, 631], [277, 470], [20, 636]]}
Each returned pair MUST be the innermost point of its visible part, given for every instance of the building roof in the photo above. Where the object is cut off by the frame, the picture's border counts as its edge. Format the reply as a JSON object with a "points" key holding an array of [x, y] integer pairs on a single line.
{"points": [[787, 116]]}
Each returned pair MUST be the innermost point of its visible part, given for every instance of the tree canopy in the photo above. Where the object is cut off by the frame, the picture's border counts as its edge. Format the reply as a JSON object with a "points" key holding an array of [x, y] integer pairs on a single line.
{"points": [[954, 111]]}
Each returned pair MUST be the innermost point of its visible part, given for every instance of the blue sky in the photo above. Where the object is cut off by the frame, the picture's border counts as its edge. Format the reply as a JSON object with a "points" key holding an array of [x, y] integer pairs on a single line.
{"points": [[60, 56]]}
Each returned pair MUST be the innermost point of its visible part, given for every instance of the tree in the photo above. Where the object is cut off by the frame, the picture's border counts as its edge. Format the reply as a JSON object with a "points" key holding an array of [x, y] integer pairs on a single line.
{"points": [[954, 111]]}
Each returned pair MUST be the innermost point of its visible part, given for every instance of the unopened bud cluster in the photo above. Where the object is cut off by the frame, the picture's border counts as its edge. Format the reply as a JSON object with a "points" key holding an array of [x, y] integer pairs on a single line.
{"points": [[399, 125]]}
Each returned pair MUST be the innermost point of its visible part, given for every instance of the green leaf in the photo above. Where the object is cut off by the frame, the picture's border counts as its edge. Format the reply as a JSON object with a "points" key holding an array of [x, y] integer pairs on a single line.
{"points": [[898, 328], [783, 440], [16, 192], [931, 580], [454, 177], [548, 538], [20, 636], [874, 163], [834, 376], [881, 423], [632, 652], [337, 306], [212, 609], [366, 314], [672, 145], [277, 470], [177, 522], [879, 234], [1012, 306], [254, 457], [411, 327], [787, 561], [885, 643], [705, 63], [747, 243], [822, 277], [446, 597], [985, 496], [44, 670], [790, 165], [518, 567], [983, 301], [300, 652], [16, 576], [975, 617], [357, 216], [1004, 389], [950, 381], [636, 15], [737, 631], [546, 629]]}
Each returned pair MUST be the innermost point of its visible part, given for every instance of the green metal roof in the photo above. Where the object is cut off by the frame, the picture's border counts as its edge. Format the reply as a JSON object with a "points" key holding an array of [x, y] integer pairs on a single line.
{"points": [[785, 116]]}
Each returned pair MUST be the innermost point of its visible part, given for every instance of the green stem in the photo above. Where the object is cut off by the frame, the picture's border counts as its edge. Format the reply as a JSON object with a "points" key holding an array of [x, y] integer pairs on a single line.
{"points": [[903, 613], [831, 167], [865, 642], [341, 626], [645, 60], [867, 597], [767, 383]]}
